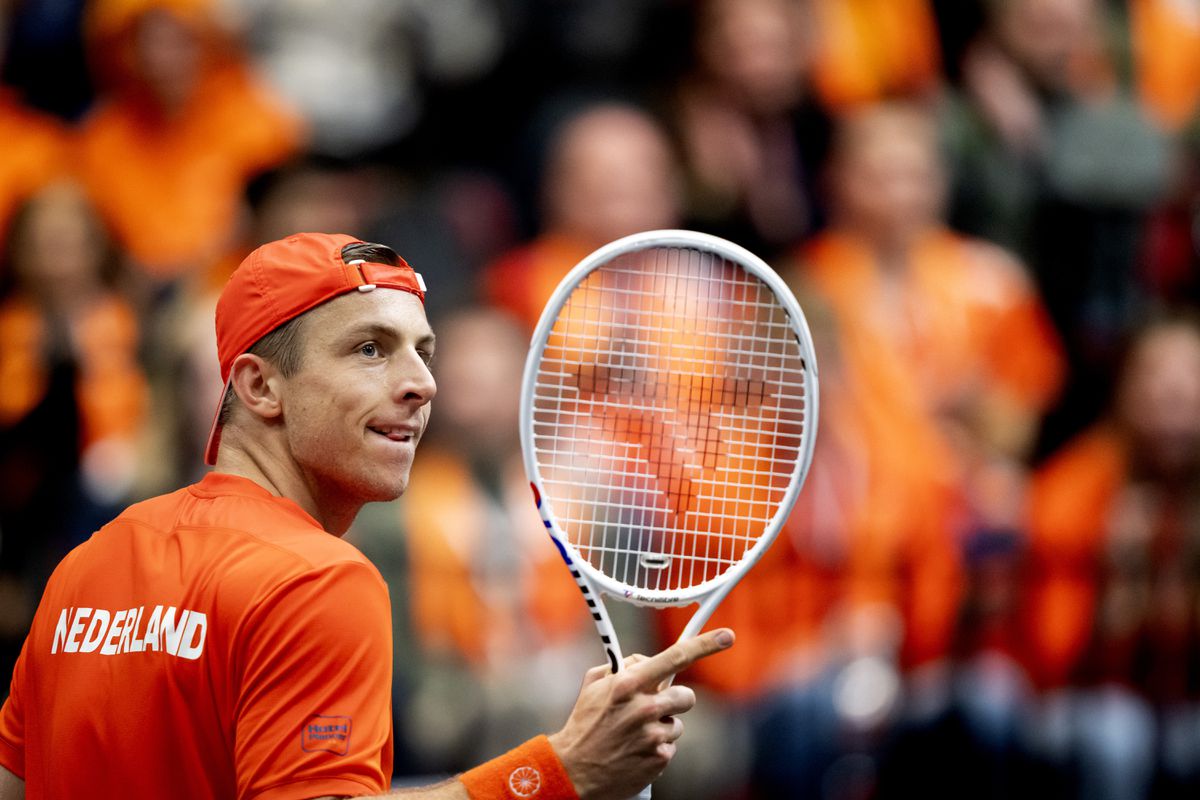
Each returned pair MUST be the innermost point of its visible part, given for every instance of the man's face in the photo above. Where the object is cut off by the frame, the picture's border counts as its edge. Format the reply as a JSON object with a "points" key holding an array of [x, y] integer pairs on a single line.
{"points": [[360, 401], [1160, 399], [889, 185]]}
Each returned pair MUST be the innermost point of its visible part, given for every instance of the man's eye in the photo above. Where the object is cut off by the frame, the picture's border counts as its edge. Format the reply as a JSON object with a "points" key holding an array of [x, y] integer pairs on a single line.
{"points": [[370, 350], [426, 356]]}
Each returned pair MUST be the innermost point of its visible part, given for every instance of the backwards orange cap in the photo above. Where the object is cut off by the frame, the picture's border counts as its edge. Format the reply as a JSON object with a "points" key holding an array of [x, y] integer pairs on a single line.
{"points": [[280, 281]]}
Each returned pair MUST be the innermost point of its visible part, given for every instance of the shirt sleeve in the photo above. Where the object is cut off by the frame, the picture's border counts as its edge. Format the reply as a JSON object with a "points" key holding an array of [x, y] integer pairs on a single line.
{"points": [[12, 722], [313, 712]]}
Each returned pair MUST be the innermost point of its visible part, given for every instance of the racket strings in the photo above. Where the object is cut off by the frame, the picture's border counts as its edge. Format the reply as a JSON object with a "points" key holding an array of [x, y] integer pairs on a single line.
{"points": [[669, 416]]}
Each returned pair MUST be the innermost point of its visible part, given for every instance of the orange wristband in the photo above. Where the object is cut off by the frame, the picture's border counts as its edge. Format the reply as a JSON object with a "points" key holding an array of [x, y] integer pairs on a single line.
{"points": [[529, 772]]}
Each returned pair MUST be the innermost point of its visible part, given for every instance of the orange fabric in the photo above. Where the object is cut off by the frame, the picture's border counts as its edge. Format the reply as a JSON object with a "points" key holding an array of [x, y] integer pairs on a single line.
{"points": [[522, 280], [257, 664], [36, 151], [971, 321], [110, 387], [529, 772], [1166, 54], [866, 530], [457, 608], [868, 50], [1071, 498], [957, 333], [170, 189]]}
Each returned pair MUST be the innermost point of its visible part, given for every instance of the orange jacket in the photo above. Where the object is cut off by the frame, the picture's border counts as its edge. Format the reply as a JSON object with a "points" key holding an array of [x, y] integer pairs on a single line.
{"points": [[170, 187], [1166, 54], [35, 152], [869, 50], [110, 388], [869, 530], [522, 280], [973, 325], [1071, 498]]}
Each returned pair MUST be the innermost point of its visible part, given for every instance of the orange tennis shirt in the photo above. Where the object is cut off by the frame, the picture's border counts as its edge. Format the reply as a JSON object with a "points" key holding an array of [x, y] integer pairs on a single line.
{"points": [[214, 642]]}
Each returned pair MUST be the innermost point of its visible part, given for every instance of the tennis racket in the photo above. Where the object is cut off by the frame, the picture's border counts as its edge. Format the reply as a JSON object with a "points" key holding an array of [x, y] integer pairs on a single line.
{"points": [[668, 416]]}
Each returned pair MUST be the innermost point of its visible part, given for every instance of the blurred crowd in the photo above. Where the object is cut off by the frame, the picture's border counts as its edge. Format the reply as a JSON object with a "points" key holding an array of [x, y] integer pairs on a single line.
{"points": [[989, 209]]}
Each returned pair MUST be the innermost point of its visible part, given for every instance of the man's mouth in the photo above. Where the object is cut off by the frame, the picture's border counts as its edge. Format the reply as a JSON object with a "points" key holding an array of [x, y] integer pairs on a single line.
{"points": [[398, 434]]}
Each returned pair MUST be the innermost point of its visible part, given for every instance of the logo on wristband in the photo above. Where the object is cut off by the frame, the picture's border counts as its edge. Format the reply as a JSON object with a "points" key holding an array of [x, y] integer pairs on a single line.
{"points": [[525, 781]]}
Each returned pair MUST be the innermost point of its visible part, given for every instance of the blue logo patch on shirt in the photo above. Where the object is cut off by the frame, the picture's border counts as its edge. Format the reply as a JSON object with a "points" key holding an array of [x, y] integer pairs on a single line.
{"points": [[326, 733]]}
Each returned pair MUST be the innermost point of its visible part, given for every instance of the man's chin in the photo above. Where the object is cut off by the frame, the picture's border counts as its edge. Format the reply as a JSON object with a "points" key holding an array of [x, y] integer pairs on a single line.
{"points": [[386, 491]]}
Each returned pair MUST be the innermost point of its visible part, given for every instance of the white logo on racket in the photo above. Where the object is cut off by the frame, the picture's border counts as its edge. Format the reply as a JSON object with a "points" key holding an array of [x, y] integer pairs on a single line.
{"points": [[525, 781]]}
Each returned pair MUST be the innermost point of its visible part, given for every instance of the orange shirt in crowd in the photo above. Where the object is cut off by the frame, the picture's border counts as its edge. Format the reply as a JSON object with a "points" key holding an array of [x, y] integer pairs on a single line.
{"points": [[522, 280], [1071, 500], [967, 322], [869, 50], [110, 387], [213, 642], [462, 606], [868, 532], [1166, 54], [171, 189], [35, 152], [169, 180]]}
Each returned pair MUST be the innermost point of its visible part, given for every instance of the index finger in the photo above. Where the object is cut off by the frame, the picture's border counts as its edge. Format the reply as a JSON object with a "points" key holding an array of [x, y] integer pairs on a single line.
{"points": [[678, 657]]}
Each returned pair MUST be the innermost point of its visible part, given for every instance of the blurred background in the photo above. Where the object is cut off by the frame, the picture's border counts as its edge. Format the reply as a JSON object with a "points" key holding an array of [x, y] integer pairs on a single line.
{"points": [[990, 210]]}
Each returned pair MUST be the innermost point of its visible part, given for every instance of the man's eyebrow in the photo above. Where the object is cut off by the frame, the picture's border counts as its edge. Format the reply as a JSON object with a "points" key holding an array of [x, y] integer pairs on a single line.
{"points": [[378, 330]]}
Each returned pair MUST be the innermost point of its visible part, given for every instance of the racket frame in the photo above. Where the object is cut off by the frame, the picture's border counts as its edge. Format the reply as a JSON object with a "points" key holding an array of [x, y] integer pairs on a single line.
{"points": [[591, 581]]}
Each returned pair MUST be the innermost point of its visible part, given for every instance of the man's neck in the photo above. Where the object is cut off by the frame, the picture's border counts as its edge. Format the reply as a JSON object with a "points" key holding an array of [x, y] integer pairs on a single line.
{"points": [[282, 478]]}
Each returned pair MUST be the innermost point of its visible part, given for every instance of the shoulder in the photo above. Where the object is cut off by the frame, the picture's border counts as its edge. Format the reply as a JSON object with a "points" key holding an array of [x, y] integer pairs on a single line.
{"points": [[269, 533], [982, 271]]}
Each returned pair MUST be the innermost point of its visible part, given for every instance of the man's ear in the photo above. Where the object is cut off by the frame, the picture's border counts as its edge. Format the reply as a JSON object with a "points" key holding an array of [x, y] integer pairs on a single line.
{"points": [[256, 383]]}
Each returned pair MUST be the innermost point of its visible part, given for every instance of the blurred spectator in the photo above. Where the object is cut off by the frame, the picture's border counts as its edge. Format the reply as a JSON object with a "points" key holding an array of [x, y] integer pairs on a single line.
{"points": [[860, 587], [958, 316], [35, 150], [949, 331], [359, 71], [1054, 158], [180, 129], [1113, 601], [609, 172], [73, 397], [751, 135]]}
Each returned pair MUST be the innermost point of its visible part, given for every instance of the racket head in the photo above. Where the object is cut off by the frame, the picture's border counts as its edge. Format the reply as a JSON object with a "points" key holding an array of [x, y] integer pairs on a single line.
{"points": [[668, 414]]}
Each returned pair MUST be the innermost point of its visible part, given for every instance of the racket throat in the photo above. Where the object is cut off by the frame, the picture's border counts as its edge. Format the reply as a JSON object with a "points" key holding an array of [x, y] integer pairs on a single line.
{"points": [[655, 561]]}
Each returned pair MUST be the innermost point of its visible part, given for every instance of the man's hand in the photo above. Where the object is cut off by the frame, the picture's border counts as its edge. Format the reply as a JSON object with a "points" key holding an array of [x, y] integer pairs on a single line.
{"points": [[621, 734]]}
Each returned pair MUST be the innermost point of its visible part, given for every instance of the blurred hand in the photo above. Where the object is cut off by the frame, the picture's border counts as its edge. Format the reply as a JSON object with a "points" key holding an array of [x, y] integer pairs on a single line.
{"points": [[621, 734], [1004, 97]]}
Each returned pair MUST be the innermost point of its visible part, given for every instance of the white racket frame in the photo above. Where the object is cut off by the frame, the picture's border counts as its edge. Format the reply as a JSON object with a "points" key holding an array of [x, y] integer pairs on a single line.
{"points": [[710, 593]]}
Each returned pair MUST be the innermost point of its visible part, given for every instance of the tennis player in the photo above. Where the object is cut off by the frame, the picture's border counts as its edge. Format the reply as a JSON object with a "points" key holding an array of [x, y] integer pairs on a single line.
{"points": [[223, 641]]}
